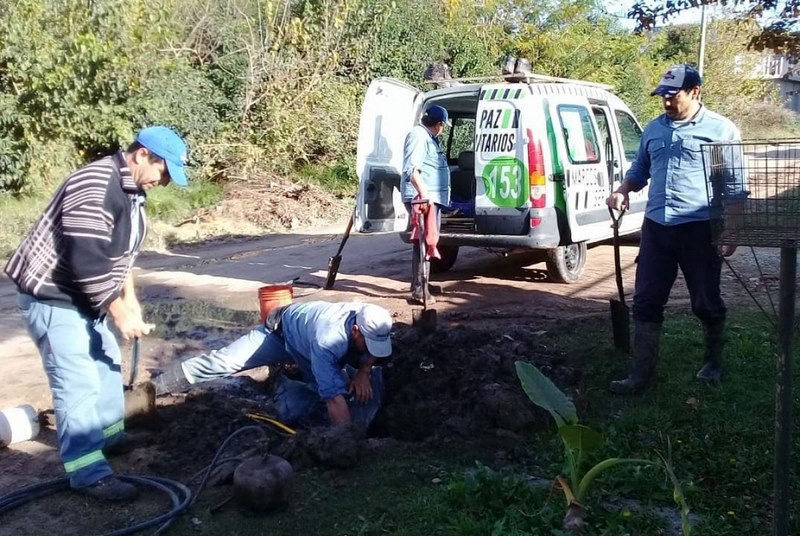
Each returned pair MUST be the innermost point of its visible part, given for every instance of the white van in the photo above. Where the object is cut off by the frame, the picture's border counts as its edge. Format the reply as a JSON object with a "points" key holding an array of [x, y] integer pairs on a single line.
{"points": [[531, 163]]}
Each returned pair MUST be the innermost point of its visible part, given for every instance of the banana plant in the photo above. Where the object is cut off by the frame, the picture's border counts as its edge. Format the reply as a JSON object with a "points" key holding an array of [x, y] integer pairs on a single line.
{"points": [[579, 442]]}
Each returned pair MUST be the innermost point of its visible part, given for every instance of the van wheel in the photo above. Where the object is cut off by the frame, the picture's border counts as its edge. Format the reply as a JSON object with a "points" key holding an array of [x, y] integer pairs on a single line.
{"points": [[565, 264], [449, 256]]}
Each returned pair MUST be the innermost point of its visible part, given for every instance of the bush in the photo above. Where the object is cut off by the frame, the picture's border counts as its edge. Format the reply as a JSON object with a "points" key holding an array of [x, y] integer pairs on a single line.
{"points": [[83, 77], [764, 120]]}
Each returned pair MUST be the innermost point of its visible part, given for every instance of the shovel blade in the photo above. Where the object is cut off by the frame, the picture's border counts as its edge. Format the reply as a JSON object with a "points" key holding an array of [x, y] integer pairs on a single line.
{"points": [[333, 269], [140, 404], [424, 320], [621, 325]]}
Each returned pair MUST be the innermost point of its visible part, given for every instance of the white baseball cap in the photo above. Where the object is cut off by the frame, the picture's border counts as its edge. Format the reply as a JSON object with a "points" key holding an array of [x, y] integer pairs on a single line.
{"points": [[375, 324]]}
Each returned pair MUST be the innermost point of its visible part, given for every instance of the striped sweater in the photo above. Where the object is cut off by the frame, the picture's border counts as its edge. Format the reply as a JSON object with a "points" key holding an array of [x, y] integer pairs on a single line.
{"points": [[81, 250]]}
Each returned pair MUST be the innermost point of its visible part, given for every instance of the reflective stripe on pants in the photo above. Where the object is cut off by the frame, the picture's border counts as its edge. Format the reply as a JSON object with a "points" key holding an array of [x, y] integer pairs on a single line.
{"points": [[82, 361]]}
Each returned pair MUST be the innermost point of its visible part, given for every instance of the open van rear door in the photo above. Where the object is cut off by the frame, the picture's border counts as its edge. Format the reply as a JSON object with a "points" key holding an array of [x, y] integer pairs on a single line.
{"points": [[585, 182], [387, 115]]}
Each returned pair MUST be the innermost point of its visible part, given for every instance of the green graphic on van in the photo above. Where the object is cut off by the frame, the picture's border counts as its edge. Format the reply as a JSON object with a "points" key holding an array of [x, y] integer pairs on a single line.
{"points": [[505, 180]]}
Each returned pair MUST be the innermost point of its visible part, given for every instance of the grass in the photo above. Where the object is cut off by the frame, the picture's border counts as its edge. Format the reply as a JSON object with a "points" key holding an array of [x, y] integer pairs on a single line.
{"points": [[722, 438], [722, 449], [170, 204], [337, 178], [173, 205], [17, 216]]}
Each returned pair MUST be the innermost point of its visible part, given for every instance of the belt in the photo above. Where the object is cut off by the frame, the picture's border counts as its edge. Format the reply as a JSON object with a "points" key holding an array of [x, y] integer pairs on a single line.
{"points": [[274, 320]]}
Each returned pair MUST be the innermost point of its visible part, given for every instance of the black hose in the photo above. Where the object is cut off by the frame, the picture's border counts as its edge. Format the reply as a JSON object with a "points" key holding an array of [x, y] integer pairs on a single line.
{"points": [[213, 463], [179, 494]]}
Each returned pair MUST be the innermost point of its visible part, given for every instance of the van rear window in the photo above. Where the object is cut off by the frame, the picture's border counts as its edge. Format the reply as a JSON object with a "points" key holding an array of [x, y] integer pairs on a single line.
{"points": [[579, 134]]}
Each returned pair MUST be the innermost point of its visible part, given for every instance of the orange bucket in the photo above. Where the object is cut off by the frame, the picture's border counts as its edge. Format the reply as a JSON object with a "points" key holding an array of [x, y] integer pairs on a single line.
{"points": [[272, 296]]}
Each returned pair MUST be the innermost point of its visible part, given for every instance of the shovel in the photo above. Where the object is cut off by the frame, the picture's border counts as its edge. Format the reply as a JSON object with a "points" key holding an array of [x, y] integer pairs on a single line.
{"points": [[620, 316], [424, 319], [140, 400], [336, 260]]}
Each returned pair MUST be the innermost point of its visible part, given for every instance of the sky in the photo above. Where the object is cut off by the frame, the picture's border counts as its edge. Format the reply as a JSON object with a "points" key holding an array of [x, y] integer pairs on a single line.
{"points": [[619, 8]]}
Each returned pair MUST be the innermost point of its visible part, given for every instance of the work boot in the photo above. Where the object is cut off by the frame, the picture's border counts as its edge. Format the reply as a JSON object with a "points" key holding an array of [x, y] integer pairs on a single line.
{"points": [[124, 443], [714, 331], [111, 488], [172, 380], [646, 339]]}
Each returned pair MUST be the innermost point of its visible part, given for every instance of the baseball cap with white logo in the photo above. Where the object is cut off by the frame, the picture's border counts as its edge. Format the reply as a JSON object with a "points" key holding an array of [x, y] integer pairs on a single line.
{"points": [[678, 77]]}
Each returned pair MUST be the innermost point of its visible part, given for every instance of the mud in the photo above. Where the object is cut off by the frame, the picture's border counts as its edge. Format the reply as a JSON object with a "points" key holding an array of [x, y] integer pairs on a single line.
{"points": [[460, 384]]}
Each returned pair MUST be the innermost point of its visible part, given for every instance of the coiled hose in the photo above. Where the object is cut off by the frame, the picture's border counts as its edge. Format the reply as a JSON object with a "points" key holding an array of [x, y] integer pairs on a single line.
{"points": [[179, 494]]}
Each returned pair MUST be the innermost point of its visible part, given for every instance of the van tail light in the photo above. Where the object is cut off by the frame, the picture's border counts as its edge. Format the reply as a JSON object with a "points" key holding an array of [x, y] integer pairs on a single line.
{"points": [[536, 175]]}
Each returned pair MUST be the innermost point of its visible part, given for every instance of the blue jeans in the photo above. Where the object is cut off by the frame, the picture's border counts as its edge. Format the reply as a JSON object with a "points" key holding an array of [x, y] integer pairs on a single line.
{"points": [[296, 401], [81, 358], [665, 248]]}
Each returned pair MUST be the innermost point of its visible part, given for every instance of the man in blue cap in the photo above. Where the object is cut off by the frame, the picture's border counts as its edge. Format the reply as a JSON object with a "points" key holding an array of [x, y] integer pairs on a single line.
{"points": [[73, 273], [676, 230], [426, 175]]}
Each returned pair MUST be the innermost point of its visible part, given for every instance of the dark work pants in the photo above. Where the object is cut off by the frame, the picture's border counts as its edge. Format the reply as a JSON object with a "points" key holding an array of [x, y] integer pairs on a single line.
{"points": [[665, 248]]}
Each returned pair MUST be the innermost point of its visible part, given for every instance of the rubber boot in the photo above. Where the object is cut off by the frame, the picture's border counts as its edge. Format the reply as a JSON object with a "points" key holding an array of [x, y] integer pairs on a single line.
{"points": [[416, 279], [646, 339], [172, 380], [714, 331]]}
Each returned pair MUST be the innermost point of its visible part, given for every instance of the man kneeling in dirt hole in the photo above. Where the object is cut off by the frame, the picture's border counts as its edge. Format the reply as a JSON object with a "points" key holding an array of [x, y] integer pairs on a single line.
{"points": [[321, 338]]}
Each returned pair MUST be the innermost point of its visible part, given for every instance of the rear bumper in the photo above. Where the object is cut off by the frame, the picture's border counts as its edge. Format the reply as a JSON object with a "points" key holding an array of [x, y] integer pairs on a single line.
{"points": [[546, 235]]}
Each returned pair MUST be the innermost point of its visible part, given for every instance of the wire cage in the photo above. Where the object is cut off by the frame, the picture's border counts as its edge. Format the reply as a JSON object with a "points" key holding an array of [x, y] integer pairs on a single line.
{"points": [[754, 192]]}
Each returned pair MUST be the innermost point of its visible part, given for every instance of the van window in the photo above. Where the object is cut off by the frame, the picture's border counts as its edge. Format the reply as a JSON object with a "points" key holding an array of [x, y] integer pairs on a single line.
{"points": [[631, 134], [579, 134], [460, 137], [602, 126]]}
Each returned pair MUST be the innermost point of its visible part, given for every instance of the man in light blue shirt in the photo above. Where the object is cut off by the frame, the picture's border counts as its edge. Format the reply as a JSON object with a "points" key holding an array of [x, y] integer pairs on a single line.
{"points": [[676, 230], [426, 175], [321, 339]]}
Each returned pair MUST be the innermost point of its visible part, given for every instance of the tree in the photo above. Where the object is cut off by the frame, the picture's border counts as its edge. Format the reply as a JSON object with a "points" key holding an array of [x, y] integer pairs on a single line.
{"points": [[780, 35]]}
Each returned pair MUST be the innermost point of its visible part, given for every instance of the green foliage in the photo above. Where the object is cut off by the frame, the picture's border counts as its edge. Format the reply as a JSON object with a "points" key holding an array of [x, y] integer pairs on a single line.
{"points": [[19, 215], [336, 178], [546, 395], [579, 442], [173, 204], [278, 84], [86, 75], [485, 501]]}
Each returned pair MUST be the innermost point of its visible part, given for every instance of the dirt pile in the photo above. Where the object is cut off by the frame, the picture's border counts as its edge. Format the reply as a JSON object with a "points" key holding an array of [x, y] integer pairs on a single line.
{"points": [[461, 384], [277, 204]]}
